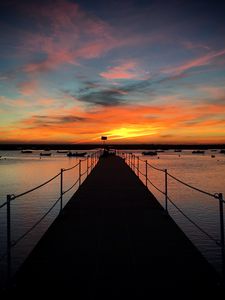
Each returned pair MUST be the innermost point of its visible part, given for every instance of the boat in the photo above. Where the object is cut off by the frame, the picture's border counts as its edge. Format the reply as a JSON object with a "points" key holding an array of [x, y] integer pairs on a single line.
{"points": [[45, 154], [177, 150], [76, 154], [212, 156], [26, 151], [198, 152], [61, 151], [149, 153]]}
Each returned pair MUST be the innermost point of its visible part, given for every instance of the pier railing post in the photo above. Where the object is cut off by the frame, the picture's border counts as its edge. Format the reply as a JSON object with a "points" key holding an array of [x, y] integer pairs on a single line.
{"points": [[79, 172], [138, 166], [166, 191], [87, 165], [146, 173], [9, 258], [61, 190], [222, 233]]}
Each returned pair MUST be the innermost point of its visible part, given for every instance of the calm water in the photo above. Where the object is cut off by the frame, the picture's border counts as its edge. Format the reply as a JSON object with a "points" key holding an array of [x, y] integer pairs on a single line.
{"points": [[20, 172]]}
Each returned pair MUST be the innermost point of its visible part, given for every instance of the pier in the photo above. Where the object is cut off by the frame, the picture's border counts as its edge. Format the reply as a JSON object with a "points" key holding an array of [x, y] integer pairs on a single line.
{"points": [[114, 239]]}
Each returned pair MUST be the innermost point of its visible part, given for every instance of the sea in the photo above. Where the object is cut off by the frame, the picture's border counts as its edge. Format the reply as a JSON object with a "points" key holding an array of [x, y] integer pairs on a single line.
{"points": [[20, 172]]}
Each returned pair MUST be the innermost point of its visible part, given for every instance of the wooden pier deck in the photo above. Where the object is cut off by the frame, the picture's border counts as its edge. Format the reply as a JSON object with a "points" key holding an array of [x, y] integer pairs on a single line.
{"points": [[115, 240]]}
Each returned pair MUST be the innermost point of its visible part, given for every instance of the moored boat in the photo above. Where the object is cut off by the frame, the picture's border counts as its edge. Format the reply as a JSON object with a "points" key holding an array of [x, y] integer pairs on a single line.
{"points": [[26, 151], [76, 154], [61, 151], [149, 153], [198, 152], [45, 154]]}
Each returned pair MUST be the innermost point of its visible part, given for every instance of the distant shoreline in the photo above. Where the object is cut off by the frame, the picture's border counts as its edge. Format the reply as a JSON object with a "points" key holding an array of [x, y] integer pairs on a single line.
{"points": [[114, 146]]}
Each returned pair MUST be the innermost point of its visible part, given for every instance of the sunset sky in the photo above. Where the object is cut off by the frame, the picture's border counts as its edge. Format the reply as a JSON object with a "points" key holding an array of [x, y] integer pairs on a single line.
{"points": [[136, 71]]}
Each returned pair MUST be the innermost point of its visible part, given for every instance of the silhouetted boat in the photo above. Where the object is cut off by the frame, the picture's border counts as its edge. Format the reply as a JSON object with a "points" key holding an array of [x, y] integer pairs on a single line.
{"points": [[61, 151], [212, 156], [198, 152], [26, 151], [76, 154], [45, 154], [149, 153]]}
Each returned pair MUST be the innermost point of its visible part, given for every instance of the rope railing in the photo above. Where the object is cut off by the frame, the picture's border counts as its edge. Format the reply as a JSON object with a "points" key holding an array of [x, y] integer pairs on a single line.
{"points": [[13, 197], [195, 224], [192, 187], [35, 225], [66, 191], [155, 186], [68, 169], [3, 204], [94, 157], [131, 159], [155, 168]]}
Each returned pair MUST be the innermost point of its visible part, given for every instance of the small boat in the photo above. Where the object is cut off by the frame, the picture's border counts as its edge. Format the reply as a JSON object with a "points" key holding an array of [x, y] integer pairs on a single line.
{"points": [[61, 151], [212, 156], [76, 154], [177, 150], [198, 152], [149, 153], [45, 154], [26, 151]]}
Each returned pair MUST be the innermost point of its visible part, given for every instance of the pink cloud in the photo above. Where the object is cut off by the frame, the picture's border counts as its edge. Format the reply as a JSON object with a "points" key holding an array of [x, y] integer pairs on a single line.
{"points": [[28, 88], [126, 70], [73, 34], [198, 62], [215, 92]]}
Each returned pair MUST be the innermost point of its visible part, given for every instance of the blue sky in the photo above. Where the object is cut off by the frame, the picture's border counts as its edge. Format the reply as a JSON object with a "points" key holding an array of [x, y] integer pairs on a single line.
{"points": [[137, 71]]}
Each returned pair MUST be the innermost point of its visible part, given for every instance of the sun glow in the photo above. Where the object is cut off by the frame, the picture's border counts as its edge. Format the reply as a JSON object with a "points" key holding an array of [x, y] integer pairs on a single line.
{"points": [[130, 132]]}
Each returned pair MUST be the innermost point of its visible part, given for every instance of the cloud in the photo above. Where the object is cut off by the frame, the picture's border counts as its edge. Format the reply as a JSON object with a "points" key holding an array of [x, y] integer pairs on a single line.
{"points": [[171, 121], [126, 70], [103, 96], [28, 88], [194, 63], [43, 120]]}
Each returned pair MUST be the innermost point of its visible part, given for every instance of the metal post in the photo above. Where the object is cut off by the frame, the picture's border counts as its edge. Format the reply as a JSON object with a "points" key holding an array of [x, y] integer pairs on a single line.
{"points": [[138, 166], [61, 190], [87, 165], [222, 234], [166, 191], [9, 258], [79, 172], [146, 173]]}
